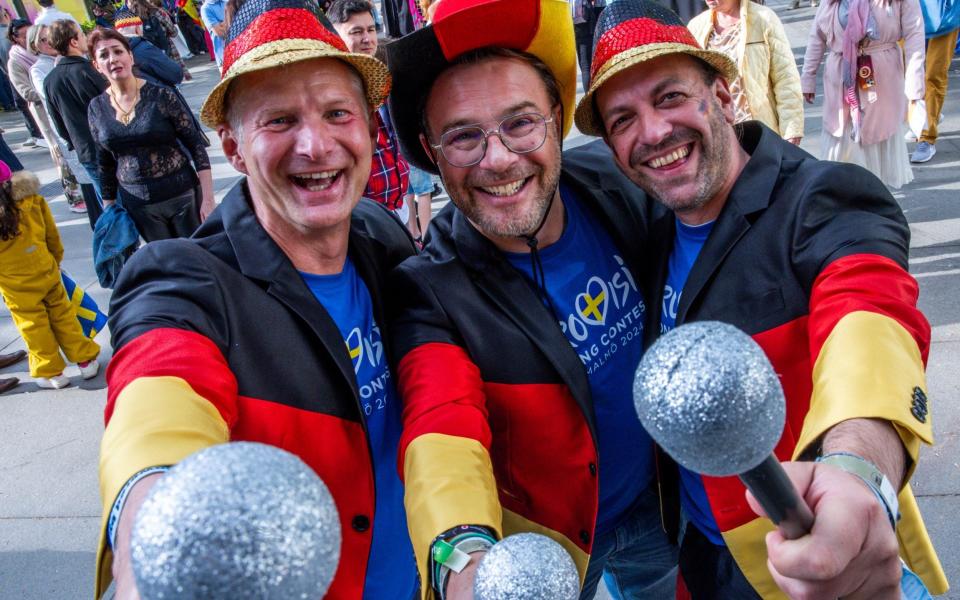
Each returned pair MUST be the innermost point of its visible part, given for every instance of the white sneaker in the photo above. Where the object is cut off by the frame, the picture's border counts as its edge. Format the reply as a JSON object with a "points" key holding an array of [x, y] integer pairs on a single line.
{"points": [[30, 142], [57, 382], [42, 143], [909, 136], [89, 369]]}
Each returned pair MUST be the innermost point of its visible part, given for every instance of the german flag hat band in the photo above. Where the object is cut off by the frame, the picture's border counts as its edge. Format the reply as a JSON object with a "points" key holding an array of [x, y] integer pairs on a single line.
{"points": [[630, 32], [272, 33], [543, 28]]}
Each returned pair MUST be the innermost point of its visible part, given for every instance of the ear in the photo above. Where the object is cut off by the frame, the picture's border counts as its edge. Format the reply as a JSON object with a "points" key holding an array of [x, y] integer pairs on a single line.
{"points": [[425, 144], [230, 143], [721, 91]]}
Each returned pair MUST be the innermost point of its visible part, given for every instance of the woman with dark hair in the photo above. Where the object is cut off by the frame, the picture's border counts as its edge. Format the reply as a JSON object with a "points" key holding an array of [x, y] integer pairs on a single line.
{"points": [[867, 82], [19, 61], [141, 131]]}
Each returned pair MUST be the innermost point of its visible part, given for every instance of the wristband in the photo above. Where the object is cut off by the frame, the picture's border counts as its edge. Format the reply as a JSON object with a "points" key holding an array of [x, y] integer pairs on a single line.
{"points": [[451, 551], [117, 507], [872, 476]]}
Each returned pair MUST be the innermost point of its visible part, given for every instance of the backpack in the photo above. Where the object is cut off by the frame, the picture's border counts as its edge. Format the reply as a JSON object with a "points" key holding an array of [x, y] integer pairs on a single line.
{"points": [[154, 33]]}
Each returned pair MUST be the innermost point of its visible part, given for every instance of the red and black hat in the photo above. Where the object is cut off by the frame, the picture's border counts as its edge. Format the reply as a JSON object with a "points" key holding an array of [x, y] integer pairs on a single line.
{"points": [[630, 32], [543, 28], [270, 33]]}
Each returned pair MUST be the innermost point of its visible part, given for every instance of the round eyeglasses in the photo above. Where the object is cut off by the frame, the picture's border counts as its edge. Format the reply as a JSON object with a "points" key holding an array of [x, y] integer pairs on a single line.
{"points": [[466, 146]]}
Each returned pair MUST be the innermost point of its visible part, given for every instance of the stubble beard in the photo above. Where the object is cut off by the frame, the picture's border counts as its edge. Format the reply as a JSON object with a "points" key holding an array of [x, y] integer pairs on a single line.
{"points": [[715, 158], [525, 220]]}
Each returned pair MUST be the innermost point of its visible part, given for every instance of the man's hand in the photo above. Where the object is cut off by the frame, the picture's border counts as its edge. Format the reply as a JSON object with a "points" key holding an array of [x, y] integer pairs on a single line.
{"points": [[852, 550], [795, 140], [206, 207], [122, 567], [220, 29], [808, 97], [460, 585]]}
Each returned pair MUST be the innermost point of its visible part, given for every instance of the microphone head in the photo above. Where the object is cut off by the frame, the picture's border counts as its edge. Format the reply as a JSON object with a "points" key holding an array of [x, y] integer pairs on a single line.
{"points": [[707, 393], [526, 566], [239, 520]]}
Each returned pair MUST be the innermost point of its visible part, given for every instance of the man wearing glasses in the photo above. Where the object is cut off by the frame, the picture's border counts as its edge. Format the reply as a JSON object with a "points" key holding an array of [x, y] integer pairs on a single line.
{"points": [[519, 327]]}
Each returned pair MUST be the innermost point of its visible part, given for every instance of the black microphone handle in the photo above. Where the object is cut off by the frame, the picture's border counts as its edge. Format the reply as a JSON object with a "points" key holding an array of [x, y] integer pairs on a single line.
{"points": [[776, 494]]}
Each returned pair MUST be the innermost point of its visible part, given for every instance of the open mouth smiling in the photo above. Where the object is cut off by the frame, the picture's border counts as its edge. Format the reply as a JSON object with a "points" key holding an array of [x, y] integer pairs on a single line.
{"points": [[315, 182], [505, 189], [670, 159]]}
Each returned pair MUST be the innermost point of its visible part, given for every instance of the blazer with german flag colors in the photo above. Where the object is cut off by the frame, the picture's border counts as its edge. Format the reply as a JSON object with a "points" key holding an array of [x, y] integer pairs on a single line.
{"points": [[217, 338], [498, 419], [810, 258]]}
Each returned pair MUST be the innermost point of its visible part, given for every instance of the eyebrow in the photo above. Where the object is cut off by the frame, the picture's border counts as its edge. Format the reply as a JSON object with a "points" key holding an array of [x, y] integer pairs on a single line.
{"points": [[656, 91], [509, 111]]}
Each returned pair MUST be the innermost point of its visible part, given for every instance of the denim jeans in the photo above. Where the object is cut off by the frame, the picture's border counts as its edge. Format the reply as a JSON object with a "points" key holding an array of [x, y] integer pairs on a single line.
{"points": [[635, 559]]}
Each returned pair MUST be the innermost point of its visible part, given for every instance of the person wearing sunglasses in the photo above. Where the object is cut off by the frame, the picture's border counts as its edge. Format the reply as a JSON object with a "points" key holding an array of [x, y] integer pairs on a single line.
{"points": [[518, 328]]}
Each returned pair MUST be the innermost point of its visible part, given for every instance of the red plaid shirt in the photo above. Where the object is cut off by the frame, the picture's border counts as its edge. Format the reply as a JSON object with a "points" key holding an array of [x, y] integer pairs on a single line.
{"points": [[389, 172]]}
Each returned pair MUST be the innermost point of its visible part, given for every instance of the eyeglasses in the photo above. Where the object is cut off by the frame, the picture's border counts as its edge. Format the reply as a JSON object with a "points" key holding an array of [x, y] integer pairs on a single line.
{"points": [[466, 146]]}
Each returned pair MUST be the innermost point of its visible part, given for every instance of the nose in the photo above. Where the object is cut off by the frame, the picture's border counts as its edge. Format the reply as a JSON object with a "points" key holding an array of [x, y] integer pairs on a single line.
{"points": [[653, 127], [498, 157], [313, 139]]}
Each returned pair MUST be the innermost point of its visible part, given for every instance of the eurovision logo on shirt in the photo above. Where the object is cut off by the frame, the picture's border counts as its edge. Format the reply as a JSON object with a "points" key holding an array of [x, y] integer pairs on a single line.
{"points": [[607, 315]]}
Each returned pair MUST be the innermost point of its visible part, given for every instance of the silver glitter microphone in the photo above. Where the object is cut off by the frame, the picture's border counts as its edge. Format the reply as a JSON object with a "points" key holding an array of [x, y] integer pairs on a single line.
{"points": [[526, 566], [237, 521], [707, 394]]}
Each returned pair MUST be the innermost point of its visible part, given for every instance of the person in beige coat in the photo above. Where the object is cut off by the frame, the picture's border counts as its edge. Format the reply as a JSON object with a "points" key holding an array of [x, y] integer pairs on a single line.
{"points": [[768, 88]]}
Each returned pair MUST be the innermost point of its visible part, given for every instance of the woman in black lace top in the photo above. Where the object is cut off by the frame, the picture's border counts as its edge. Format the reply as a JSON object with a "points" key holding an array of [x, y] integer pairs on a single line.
{"points": [[141, 131]]}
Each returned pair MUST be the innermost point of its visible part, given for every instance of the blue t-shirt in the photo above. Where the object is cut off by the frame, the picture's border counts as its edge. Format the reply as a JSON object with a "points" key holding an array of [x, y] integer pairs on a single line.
{"points": [[391, 569], [601, 312], [686, 247]]}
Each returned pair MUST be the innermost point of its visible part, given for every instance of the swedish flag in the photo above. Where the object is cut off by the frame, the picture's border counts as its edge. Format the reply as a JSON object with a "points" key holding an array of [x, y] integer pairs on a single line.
{"points": [[92, 320]]}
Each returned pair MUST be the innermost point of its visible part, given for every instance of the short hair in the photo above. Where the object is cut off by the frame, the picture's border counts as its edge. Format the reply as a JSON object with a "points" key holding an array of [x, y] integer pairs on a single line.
{"points": [[45, 3], [102, 34], [61, 33], [230, 96], [15, 26], [475, 57], [341, 11]]}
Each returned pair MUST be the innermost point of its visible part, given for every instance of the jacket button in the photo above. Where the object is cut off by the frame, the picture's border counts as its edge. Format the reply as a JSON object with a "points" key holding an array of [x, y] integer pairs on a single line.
{"points": [[584, 536], [593, 469], [360, 523]]}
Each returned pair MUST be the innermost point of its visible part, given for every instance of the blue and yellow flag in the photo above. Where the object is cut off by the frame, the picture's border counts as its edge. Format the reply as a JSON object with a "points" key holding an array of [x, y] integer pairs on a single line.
{"points": [[92, 320]]}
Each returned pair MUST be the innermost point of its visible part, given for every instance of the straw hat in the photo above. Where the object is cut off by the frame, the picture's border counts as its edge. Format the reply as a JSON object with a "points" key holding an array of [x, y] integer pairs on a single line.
{"points": [[271, 33], [630, 32], [543, 28]]}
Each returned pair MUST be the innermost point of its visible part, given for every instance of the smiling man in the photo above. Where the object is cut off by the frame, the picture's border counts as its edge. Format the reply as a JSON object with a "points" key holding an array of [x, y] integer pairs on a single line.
{"points": [[810, 258], [519, 327], [268, 325]]}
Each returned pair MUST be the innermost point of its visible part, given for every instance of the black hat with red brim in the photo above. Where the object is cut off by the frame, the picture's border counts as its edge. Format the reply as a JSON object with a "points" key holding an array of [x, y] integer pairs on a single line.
{"points": [[543, 28]]}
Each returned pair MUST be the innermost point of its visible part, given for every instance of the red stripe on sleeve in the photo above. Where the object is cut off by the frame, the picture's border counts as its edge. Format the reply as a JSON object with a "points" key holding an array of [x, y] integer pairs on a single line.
{"points": [[169, 352], [865, 282], [442, 393]]}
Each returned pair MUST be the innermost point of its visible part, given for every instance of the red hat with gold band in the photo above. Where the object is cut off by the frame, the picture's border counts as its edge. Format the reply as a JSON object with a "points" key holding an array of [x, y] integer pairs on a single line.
{"points": [[543, 28], [271, 33], [630, 32]]}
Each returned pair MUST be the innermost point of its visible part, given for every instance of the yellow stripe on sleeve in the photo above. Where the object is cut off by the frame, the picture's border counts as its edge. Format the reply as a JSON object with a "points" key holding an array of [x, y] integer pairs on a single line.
{"points": [[156, 421], [867, 368], [448, 482]]}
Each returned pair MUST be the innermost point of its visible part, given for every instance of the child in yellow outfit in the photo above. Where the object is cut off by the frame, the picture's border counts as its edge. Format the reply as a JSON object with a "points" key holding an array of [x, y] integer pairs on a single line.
{"points": [[30, 255]]}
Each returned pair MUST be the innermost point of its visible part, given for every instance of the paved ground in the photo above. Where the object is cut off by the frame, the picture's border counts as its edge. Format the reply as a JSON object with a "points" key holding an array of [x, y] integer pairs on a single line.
{"points": [[49, 504]]}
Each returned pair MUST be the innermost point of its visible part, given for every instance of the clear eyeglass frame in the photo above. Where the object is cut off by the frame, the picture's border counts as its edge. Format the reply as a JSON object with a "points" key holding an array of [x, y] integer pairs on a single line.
{"points": [[539, 129]]}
